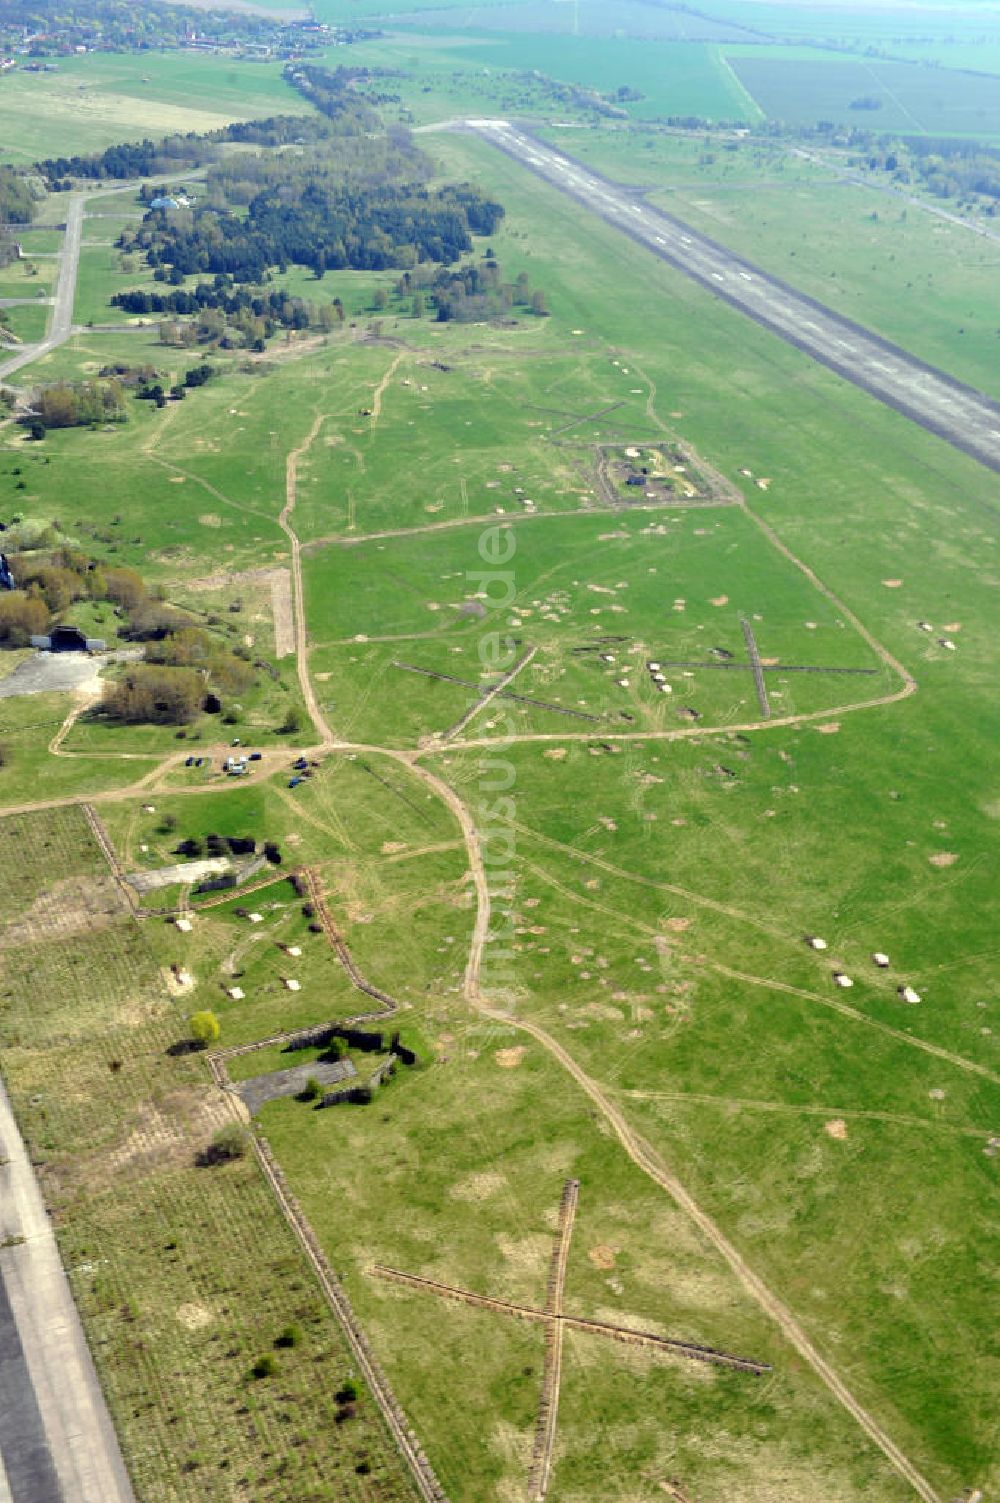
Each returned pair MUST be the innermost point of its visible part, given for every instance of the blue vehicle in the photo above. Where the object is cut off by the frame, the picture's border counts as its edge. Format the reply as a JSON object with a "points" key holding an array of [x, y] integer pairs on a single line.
{"points": [[255, 756], [294, 782]]}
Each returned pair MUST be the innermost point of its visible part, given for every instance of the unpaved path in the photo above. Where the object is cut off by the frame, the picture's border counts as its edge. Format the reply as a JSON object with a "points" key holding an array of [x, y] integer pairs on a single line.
{"points": [[646, 1159], [298, 594]]}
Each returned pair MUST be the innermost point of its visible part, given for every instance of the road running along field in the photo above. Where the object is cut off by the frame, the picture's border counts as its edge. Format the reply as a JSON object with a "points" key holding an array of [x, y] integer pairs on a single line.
{"points": [[662, 888]]}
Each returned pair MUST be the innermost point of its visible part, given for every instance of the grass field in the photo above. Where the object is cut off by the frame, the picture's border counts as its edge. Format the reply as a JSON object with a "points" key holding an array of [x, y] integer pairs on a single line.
{"points": [[673, 79], [134, 1213], [95, 101], [28, 323], [924, 283], [652, 878]]}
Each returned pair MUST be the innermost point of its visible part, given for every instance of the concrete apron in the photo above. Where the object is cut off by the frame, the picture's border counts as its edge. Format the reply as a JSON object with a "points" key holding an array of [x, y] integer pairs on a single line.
{"points": [[57, 1442]]}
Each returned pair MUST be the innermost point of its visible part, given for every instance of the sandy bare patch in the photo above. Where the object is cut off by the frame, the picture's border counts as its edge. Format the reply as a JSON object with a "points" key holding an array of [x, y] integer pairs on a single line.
{"points": [[830, 728], [177, 479], [390, 847], [509, 1059], [322, 678], [678, 925], [943, 858], [525, 1254], [179, 983], [210, 519], [71, 906], [193, 1317], [281, 610], [892, 584], [951, 626], [836, 1128], [602, 1256], [719, 600], [556, 754], [181, 1125], [478, 1186]]}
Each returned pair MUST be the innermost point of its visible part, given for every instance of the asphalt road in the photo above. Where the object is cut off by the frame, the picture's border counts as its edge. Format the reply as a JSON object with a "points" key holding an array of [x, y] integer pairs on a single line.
{"points": [[61, 323], [955, 412], [57, 1443]]}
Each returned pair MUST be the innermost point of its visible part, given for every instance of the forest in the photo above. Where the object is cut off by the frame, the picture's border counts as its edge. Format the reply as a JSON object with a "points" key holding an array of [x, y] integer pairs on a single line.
{"points": [[309, 222], [134, 159]]}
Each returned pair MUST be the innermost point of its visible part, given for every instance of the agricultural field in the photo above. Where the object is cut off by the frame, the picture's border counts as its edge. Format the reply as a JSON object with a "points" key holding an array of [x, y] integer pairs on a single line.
{"points": [[643, 673], [96, 101], [117, 1118], [689, 79], [905, 97]]}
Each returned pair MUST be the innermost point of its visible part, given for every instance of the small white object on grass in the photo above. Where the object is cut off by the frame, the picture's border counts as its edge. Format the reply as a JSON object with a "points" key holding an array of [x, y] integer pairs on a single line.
{"points": [[880, 959], [291, 985], [908, 994], [184, 925], [840, 979], [815, 943], [237, 993], [295, 950], [255, 918]]}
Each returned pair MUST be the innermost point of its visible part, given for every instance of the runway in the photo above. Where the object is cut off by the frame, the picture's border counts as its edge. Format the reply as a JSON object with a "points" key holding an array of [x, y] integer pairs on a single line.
{"points": [[957, 413], [57, 1442]]}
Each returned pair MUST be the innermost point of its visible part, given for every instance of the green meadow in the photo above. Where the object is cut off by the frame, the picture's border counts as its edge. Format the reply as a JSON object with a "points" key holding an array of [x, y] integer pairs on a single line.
{"points": [[96, 101], [656, 863]]}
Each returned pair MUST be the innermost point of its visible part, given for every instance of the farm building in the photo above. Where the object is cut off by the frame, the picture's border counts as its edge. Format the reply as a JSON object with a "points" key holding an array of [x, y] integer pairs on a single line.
{"points": [[69, 639]]}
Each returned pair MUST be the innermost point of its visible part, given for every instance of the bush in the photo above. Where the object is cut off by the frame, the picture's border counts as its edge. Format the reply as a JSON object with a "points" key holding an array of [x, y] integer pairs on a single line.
{"points": [[264, 1367], [205, 1028], [312, 1090], [158, 696], [292, 722], [228, 1145], [289, 1337], [348, 1392], [22, 616]]}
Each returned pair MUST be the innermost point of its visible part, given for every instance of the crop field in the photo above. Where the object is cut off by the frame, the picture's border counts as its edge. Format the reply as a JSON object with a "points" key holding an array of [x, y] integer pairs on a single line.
{"points": [[911, 99], [95, 101], [135, 1214], [749, 615], [672, 78]]}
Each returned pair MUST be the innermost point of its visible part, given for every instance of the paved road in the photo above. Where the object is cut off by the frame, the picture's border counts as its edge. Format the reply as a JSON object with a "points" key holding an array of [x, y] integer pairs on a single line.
{"points": [[57, 1443], [61, 324], [964, 417]]}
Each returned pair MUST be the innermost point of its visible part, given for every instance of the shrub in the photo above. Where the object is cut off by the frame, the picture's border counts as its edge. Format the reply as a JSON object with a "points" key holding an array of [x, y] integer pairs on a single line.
{"points": [[289, 1337], [159, 696], [228, 1145], [312, 1090], [264, 1367], [348, 1392], [205, 1028]]}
